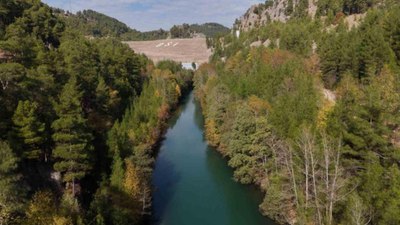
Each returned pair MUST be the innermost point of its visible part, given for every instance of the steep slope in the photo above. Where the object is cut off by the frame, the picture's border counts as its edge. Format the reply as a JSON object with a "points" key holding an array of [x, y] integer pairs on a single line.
{"points": [[305, 104], [283, 10]]}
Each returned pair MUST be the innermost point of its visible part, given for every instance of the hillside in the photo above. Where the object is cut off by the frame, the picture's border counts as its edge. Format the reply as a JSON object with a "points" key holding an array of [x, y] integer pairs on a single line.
{"points": [[208, 29], [95, 24], [305, 103], [283, 10], [68, 104]]}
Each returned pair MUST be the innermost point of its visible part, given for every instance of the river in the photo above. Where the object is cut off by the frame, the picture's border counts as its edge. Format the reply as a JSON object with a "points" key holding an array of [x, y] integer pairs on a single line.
{"points": [[193, 184]]}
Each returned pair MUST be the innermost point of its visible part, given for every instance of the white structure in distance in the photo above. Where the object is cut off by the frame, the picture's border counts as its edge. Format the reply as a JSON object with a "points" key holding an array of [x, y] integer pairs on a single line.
{"points": [[189, 66], [168, 44]]}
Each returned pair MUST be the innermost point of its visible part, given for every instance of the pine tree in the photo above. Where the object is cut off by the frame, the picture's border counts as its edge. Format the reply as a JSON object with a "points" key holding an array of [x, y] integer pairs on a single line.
{"points": [[71, 136], [392, 31], [392, 206], [102, 95], [373, 51], [11, 193], [29, 129], [117, 172]]}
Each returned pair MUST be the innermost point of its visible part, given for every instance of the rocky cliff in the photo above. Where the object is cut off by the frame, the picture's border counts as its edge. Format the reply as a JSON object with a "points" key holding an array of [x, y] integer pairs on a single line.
{"points": [[273, 10]]}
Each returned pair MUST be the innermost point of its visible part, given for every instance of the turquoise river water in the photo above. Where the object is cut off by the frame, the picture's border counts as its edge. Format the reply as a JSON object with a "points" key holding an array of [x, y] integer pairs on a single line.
{"points": [[193, 184]]}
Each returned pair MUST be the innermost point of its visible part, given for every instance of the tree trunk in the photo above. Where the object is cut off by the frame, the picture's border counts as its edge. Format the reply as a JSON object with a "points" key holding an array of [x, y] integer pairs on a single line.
{"points": [[315, 187], [73, 187], [289, 164]]}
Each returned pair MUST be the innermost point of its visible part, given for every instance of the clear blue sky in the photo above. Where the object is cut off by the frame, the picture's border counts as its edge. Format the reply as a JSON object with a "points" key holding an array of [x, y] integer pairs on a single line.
{"points": [[146, 15]]}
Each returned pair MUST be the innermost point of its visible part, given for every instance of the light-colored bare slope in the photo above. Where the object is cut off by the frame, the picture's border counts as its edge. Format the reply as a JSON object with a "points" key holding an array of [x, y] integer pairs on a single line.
{"points": [[179, 50]]}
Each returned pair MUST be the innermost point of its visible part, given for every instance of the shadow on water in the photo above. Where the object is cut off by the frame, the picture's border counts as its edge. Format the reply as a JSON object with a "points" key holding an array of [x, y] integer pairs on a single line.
{"points": [[178, 111], [234, 193], [166, 179], [241, 200], [192, 182], [165, 176], [198, 115]]}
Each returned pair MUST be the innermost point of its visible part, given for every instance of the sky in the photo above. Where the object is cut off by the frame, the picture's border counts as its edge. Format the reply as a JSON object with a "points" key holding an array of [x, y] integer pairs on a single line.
{"points": [[145, 15]]}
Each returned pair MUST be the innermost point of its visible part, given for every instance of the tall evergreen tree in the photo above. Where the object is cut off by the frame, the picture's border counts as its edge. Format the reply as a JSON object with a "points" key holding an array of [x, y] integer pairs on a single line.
{"points": [[71, 136], [29, 130], [117, 172], [11, 193], [392, 31]]}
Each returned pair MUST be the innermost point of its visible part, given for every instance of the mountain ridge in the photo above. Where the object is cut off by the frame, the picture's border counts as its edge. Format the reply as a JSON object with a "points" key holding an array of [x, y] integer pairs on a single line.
{"points": [[94, 24]]}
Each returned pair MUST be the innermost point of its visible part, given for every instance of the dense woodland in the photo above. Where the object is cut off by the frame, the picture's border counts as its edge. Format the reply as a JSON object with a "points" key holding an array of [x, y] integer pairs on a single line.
{"points": [[95, 24], [78, 121], [210, 30], [312, 117]]}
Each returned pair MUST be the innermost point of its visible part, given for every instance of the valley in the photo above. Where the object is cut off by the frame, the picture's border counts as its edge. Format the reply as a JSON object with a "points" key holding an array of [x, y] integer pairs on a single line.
{"points": [[289, 116]]}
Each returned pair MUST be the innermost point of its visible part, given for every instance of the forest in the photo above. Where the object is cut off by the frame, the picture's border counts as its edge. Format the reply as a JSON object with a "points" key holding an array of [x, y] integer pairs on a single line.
{"points": [[210, 30], [312, 116], [79, 120], [97, 25]]}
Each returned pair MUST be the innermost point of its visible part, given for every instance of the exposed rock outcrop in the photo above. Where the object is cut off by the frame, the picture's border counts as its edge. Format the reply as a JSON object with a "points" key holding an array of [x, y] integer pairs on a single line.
{"points": [[260, 14], [273, 10]]}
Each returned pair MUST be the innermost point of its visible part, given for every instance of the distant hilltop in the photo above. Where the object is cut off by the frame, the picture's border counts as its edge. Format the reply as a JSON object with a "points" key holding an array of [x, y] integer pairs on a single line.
{"points": [[282, 10], [94, 24]]}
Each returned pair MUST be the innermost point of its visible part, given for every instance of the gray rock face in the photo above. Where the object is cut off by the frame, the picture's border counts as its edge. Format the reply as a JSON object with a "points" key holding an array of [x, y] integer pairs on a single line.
{"points": [[260, 14]]}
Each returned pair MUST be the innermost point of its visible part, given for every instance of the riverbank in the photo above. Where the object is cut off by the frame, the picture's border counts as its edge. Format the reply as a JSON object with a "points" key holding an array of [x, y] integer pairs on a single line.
{"points": [[192, 182], [132, 141]]}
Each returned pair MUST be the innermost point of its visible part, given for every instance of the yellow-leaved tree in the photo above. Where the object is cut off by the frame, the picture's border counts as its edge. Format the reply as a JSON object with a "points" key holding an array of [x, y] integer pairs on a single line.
{"points": [[132, 180]]}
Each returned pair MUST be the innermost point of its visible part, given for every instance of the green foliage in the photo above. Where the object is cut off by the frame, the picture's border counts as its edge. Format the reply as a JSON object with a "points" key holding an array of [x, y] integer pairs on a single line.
{"points": [[272, 204], [295, 106], [247, 145], [240, 145], [95, 24], [289, 7], [42, 209], [29, 130], [296, 38], [10, 74], [11, 192], [301, 10], [326, 7], [338, 56], [169, 65], [131, 144], [373, 52], [56, 83], [358, 65], [71, 137], [392, 205], [346, 6], [210, 29], [117, 172], [392, 30]]}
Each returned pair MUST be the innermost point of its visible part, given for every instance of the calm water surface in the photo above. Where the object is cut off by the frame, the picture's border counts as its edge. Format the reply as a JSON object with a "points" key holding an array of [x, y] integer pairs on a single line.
{"points": [[193, 184]]}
